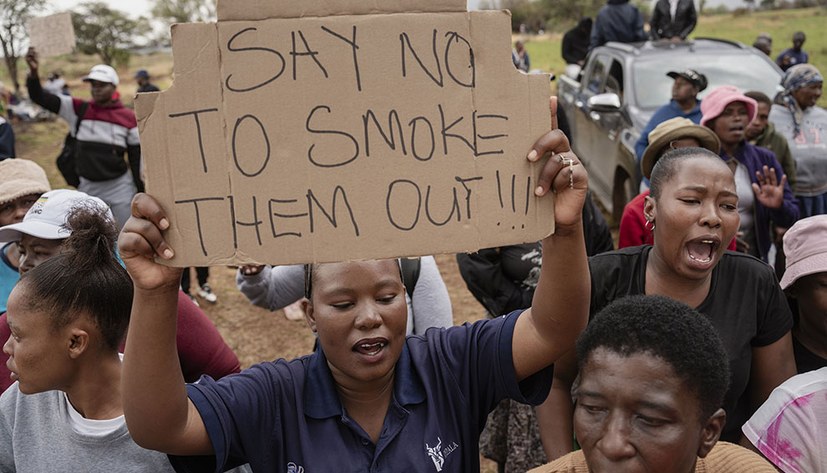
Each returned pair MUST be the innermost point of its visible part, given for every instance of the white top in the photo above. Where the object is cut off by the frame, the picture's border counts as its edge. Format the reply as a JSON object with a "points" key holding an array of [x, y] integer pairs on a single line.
{"points": [[790, 429], [673, 8], [746, 206], [90, 427]]}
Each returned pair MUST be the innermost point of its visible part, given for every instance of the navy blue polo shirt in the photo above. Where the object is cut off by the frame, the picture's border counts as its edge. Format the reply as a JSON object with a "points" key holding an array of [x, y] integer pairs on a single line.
{"points": [[286, 415]]}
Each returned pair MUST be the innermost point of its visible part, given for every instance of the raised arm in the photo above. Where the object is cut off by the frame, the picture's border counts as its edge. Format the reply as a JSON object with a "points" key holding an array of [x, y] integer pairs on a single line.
{"points": [[271, 287], [39, 96], [560, 308], [158, 412]]}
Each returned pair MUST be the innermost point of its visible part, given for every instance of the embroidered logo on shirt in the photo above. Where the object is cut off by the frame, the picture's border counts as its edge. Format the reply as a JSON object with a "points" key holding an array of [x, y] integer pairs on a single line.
{"points": [[435, 454], [293, 468], [438, 453]]}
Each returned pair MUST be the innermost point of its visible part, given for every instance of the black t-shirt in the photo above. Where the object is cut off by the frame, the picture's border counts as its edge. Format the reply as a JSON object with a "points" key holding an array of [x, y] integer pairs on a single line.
{"points": [[745, 304], [805, 360]]}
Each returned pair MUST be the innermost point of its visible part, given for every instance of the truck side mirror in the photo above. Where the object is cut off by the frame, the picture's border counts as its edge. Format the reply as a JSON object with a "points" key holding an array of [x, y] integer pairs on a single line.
{"points": [[605, 103]]}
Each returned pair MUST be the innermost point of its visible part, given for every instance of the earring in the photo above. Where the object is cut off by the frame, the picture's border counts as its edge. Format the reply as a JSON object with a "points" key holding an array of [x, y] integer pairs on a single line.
{"points": [[650, 222]]}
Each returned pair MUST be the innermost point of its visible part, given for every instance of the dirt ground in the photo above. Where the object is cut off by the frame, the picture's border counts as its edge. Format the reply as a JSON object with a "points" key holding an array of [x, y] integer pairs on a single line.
{"points": [[254, 334]]}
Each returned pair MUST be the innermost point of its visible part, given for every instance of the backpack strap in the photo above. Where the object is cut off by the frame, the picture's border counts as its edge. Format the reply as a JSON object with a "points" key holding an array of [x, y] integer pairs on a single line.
{"points": [[83, 107], [410, 273]]}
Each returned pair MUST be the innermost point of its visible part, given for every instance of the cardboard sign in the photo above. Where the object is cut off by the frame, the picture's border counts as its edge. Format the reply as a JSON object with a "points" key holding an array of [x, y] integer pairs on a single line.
{"points": [[305, 134], [52, 35]]}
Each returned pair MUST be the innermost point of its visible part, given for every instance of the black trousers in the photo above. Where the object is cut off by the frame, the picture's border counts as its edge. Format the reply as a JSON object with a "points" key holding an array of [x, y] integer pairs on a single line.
{"points": [[201, 273]]}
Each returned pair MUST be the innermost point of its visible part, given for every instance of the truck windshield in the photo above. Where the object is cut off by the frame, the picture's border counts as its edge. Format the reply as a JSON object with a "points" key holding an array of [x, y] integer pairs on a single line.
{"points": [[747, 72]]}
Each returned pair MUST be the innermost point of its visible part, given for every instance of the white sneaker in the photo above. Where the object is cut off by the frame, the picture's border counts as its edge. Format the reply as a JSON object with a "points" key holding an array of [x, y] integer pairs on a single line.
{"points": [[192, 298], [205, 292]]}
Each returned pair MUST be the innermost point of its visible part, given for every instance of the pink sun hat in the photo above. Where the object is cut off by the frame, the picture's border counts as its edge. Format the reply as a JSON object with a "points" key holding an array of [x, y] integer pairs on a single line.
{"points": [[718, 98], [805, 245]]}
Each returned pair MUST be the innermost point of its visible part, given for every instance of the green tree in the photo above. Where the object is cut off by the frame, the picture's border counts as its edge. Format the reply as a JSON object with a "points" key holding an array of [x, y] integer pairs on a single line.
{"points": [[184, 11], [13, 17], [106, 32]]}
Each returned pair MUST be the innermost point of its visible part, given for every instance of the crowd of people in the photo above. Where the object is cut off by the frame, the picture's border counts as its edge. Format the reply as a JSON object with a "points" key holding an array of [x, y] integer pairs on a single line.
{"points": [[700, 344]]}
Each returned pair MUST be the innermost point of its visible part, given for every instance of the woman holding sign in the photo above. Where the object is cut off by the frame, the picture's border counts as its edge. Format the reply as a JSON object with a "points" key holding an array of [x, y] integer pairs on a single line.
{"points": [[373, 398]]}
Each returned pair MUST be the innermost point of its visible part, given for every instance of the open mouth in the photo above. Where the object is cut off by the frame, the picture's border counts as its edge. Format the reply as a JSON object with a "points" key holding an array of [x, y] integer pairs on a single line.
{"points": [[370, 347], [702, 250]]}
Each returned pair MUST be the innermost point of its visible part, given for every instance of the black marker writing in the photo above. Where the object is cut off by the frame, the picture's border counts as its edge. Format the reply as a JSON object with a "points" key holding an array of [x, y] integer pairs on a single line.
{"points": [[238, 223], [195, 203], [331, 216], [354, 47], [195, 114], [266, 159], [231, 48], [309, 128], [307, 52]]}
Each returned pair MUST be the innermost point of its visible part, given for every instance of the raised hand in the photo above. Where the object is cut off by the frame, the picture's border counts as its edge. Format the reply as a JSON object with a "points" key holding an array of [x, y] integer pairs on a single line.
{"points": [[251, 269], [141, 241], [31, 59], [769, 190], [562, 174]]}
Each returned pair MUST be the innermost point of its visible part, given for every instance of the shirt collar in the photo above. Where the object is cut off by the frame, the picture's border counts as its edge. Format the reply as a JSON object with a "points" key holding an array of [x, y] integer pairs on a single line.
{"points": [[322, 401], [674, 104]]}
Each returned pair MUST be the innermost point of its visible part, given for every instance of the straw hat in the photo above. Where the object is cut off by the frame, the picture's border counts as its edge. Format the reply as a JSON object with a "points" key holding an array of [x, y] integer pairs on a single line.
{"points": [[671, 130], [19, 177]]}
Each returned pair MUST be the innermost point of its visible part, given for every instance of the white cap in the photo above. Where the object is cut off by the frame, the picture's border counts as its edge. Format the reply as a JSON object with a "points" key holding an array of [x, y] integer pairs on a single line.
{"points": [[47, 217], [102, 73]]}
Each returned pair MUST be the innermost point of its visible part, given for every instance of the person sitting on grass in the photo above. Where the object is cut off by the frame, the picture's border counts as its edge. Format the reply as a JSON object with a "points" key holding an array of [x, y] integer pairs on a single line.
{"points": [[653, 374]]}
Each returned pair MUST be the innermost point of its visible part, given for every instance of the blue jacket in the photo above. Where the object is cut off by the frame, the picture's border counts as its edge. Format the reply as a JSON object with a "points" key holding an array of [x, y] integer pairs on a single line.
{"points": [[670, 110], [755, 158], [619, 21]]}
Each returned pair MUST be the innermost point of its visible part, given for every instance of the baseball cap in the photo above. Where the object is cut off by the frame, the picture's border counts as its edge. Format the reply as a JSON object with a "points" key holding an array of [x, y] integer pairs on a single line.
{"points": [[47, 217], [805, 247], [696, 78], [142, 74], [19, 177], [102, 73]]}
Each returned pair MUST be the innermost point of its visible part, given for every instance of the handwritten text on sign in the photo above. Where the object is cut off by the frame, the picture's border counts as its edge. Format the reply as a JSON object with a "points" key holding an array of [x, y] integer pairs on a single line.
{"points": [[323, 139]]}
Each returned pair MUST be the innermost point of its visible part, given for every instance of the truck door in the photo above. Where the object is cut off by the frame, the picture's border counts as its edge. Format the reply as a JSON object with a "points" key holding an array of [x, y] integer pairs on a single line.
{"points": [[597, 133]]}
